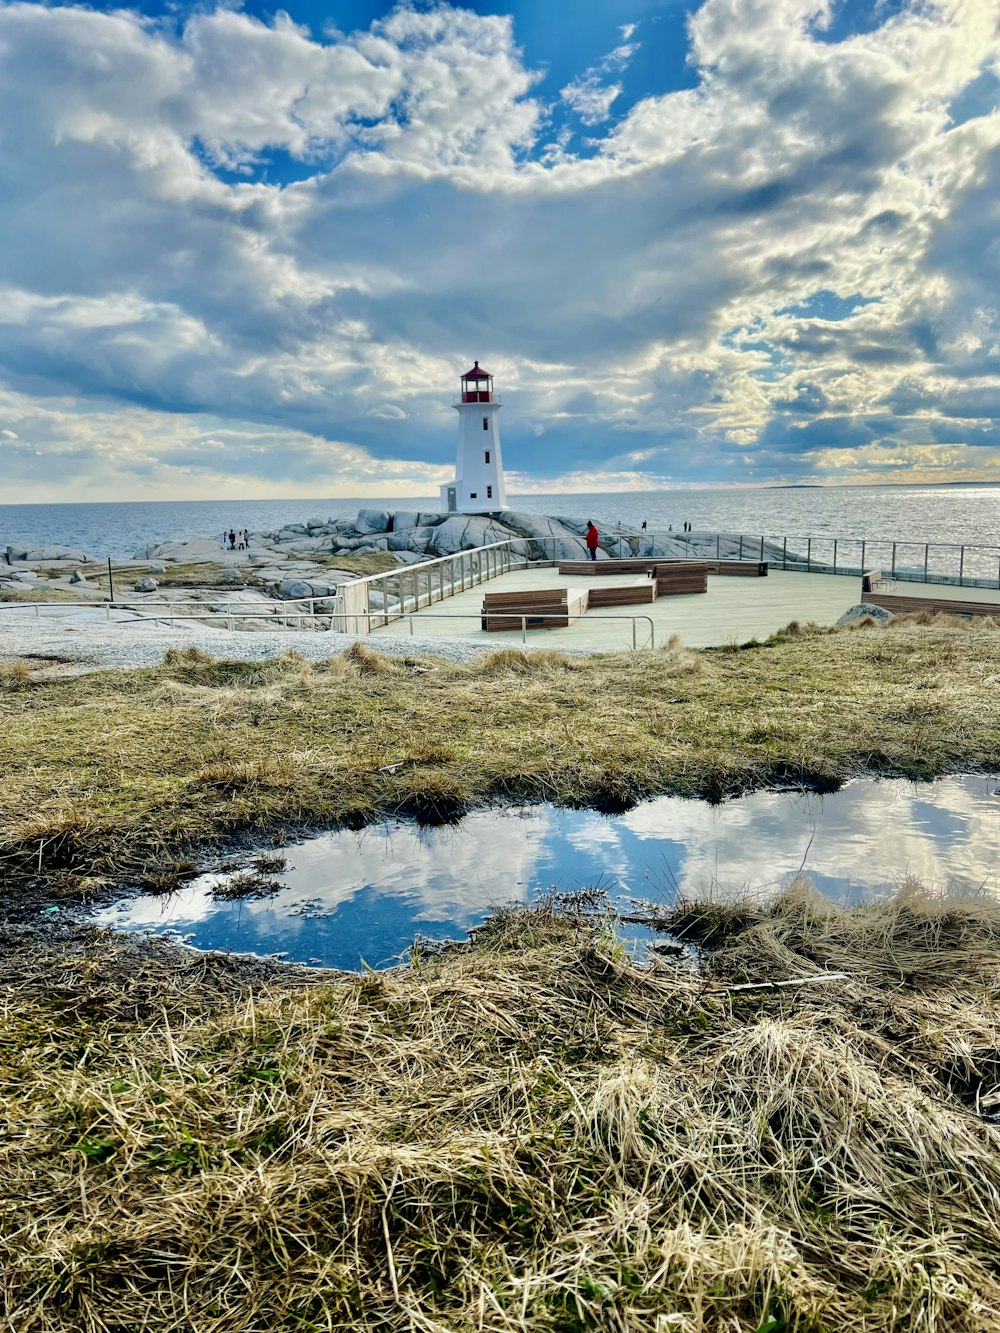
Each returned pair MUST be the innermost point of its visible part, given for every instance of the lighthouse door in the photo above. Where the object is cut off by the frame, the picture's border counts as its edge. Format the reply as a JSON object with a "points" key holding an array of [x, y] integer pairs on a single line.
{"points": [[452, 499]]}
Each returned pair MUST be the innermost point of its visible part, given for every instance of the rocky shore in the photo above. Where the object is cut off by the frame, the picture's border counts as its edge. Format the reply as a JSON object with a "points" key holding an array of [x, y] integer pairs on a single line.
{"points": [[301, 559]]}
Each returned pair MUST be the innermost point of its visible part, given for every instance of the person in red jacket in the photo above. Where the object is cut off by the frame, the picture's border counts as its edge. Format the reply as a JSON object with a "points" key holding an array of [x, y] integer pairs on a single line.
{"points": [[591, 539]]}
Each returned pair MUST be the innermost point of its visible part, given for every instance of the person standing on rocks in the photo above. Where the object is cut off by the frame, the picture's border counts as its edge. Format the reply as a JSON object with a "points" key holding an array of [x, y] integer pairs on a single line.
{"points": [[222, 542], [246, 539], [232, 539], [592, 537]]}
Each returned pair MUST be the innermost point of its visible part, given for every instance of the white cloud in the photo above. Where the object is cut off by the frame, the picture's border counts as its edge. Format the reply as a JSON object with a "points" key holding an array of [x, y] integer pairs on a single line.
{"points": [[793, 261], [590, 95], [590, 98]]}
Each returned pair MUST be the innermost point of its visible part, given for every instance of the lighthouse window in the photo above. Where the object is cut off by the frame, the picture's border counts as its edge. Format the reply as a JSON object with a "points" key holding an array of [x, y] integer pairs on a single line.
{"points": [[486, 423], [472, 495], [489, 492], [487, 452]]}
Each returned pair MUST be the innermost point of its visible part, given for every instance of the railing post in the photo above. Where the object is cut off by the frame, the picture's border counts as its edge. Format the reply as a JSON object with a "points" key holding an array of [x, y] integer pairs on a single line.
{"points": [[762, 550], [862, 555], [927, 547], [961, 564], [717, 535], [411, 625], [740, 556], [784, 553], [894, 561], [524, 629], [809, 554], [633, 633], [835, 555]]}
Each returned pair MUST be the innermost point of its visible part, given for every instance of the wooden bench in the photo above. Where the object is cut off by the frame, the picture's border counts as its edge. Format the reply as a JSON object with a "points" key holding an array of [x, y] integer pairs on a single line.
{"points": [[905, 603], [635, 595], [873, 581], [685, 576], [751, 569], [746, 568], [543, 608], [607, 566]]}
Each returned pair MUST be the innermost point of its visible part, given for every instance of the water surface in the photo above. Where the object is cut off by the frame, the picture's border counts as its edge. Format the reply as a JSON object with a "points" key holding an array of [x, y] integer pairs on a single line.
{"points": [[914, 514], [352, 898]]}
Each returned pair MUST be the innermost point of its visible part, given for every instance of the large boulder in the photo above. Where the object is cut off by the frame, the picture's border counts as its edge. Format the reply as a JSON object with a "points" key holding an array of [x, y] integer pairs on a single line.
{"points": [[46, 555], [462, 533], [306, 546], [404, 518], [293, 590], [198, 550], [322, 588], [371, 545], [659, 546], [371, 520], [552, 538], [146, 584], [77, 577], [865, 611], [232, 575], [400, 540]]}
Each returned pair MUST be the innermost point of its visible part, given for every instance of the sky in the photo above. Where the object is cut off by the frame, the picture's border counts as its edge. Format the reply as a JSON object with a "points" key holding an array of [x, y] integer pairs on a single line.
{"points": [[248, 252]]}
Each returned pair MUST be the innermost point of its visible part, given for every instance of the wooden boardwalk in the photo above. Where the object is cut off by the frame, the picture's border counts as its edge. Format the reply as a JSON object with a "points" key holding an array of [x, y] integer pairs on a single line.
{"points": [[734, 610]]}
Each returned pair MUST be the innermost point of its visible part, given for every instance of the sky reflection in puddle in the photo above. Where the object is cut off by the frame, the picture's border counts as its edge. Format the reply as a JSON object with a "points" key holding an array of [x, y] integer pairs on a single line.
{"points": [[351, 896]]}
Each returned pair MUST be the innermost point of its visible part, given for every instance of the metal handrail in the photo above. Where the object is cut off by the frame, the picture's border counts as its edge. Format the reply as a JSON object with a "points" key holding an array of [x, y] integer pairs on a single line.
{"points": [[344, 616], [510, 615]]}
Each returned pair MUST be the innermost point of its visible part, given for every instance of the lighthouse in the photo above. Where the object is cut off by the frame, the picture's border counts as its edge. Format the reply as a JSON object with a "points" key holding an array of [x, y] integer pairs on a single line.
{"points": [[478, 486]]}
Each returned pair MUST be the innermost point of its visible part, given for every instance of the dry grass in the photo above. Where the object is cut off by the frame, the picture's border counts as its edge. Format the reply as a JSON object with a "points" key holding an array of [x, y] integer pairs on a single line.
{"points": [[368, 562], [14, 675], [42, 594], [532, 1135], [109, 773]]}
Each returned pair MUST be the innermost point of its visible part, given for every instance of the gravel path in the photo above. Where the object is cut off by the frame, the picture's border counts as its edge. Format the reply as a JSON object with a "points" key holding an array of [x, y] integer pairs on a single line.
{"points": [[85, 639]]}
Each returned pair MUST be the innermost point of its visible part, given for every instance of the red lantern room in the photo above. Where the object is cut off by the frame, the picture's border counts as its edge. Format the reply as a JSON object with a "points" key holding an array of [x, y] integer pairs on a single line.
{"points": [[477, 386]]}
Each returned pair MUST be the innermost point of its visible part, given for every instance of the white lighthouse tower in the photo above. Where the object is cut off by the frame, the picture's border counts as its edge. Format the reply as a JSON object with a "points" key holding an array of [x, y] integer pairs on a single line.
{"points": [[478, 486]]}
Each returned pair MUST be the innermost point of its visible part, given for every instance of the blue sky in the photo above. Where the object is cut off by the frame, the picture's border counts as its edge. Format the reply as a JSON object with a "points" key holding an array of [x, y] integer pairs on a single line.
{"points": [[248, 251]]}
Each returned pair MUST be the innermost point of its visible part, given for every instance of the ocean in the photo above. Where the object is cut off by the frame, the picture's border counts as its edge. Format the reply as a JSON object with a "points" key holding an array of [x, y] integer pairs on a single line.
{"points": [[915, 514]]}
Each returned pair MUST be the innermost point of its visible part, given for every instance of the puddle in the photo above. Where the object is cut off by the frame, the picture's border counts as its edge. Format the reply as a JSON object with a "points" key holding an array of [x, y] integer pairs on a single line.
{"points": [[351, 899]]}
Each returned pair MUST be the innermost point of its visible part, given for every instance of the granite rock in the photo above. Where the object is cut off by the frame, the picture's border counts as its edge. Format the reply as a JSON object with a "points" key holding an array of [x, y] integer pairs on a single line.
{"points": [[371, 520], [865, 611]]}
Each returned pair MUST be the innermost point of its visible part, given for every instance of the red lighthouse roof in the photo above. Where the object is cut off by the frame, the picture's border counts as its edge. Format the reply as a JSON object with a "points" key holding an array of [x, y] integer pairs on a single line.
{"points": [[476, 373]]}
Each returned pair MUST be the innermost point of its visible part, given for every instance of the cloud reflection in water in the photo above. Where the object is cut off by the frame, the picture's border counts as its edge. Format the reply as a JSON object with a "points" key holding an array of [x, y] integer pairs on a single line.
{"points": [[351, 896]]}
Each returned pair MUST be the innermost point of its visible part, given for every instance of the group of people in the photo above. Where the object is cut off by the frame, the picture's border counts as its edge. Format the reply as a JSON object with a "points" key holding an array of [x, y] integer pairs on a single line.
{"points": [[235, 541], [592, 536]]}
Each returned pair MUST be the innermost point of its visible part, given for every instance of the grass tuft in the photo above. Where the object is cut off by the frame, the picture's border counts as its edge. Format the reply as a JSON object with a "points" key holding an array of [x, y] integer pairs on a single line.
{"points": [[367, 662], [14, 675]]}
